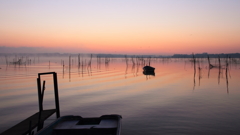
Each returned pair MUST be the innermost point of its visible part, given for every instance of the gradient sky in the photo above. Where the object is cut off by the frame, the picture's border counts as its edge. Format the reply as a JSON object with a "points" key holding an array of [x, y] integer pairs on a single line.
{"points": [[126, 26]]}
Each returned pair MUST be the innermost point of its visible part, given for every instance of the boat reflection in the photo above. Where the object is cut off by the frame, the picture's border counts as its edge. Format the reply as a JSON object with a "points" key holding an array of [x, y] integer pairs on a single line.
{"points": [[150, 72]]}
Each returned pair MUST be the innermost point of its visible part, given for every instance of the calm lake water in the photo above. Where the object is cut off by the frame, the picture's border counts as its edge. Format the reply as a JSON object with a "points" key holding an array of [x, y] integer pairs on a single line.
{"points": [[176, 100]]}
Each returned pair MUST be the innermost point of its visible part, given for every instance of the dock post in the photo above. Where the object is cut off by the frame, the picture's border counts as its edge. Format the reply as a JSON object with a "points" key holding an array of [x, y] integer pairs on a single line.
{"points": [[39, 94], [56, 94]]}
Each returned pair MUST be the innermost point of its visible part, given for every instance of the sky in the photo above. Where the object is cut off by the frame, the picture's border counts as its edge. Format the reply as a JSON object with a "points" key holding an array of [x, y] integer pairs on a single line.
{"points": [[121, 26]]}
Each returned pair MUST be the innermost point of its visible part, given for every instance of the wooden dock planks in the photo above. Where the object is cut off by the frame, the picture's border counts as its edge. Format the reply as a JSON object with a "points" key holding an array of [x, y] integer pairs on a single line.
{"points": [[23, 127]]}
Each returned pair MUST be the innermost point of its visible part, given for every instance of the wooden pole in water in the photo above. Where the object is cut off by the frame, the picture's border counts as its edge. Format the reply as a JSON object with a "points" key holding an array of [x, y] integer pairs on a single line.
{"points": [[43, 89], [194, 62], [39, 94], [208, 61], [6, 59], [63, 66], [56, 94], [219, 61], [78, 60], [69, 63], [40, 103]]}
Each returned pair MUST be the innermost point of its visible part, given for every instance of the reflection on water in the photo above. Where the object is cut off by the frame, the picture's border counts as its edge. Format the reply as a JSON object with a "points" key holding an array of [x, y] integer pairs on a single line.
{"points": [[178, 98], [148, 74], [223, 72]]}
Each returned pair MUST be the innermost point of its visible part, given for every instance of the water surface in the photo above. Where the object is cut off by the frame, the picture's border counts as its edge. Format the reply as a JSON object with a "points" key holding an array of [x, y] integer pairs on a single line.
{"points": [[177, 100]]}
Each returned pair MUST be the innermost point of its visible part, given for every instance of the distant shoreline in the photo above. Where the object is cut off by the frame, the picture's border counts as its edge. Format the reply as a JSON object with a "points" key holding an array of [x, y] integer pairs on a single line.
{"points": [[202, 55]]}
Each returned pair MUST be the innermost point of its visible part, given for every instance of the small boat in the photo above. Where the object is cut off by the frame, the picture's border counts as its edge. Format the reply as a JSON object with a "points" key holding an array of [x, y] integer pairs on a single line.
{"points": [[76, 125], [149, 72], [148, 68]]}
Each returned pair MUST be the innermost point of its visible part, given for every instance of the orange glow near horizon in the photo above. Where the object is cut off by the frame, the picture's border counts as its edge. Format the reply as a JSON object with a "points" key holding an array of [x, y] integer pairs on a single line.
{"points": [[146, 29], [129, 42]]}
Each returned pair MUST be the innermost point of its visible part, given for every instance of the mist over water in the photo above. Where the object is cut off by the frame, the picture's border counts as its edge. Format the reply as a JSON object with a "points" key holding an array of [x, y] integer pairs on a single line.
{"points": [[177, 100]]}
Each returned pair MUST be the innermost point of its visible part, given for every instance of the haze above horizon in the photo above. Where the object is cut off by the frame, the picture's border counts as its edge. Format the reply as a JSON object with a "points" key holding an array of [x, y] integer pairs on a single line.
{"points": [[121, 27]]}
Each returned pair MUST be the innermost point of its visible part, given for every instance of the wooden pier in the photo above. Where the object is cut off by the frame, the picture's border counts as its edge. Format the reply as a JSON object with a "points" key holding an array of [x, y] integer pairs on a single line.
{"points": [[29, 124], [37, 119]]}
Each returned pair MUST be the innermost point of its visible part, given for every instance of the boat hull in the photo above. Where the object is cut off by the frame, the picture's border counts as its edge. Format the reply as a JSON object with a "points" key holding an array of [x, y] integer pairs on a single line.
{"points": [[148, 68], [74, 125]]}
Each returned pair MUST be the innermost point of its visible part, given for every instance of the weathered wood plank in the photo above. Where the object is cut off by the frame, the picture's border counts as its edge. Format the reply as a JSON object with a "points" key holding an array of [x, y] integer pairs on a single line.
{"points": [[22, 128]]}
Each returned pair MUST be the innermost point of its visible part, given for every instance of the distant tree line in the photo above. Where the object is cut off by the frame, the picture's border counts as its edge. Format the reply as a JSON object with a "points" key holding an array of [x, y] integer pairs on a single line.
{"points": [[202, 55], [205, 55]]}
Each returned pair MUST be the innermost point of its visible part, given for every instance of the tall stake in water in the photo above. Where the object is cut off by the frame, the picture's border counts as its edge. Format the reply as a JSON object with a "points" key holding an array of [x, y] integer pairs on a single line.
{"points": [[6, 60], [63, 66], [219, 61], [69, 68], [79, 61], [194, 62]]}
